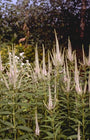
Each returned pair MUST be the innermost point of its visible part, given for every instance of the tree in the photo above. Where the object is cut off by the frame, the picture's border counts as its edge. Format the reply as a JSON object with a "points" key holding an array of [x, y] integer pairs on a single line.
{"points": [[9, 21], [82, 24], [41, 18]]}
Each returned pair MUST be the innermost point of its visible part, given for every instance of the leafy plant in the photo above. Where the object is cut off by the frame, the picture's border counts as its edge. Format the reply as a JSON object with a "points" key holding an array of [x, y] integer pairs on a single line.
{"points": [[45, 100]]}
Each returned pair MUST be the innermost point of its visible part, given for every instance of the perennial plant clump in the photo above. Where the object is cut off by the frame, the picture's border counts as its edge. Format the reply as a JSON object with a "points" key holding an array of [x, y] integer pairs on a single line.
{"points": [[45, 101]]}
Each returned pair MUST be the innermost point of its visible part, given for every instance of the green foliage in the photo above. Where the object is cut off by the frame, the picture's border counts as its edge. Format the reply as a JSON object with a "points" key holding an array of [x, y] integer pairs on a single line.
{"points": [[23, 92]]}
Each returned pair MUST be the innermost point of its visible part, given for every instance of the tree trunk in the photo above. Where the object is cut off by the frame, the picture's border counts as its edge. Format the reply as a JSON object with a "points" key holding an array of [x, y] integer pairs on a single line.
{"points": [[82, 24]]}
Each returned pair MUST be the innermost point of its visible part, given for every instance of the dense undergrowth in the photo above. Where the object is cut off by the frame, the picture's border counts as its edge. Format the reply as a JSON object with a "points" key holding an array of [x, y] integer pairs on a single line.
{"points": [[42, 101]]}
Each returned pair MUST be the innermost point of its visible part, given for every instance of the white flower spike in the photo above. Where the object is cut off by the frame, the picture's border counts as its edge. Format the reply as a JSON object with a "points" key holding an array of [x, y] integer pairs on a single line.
{"points": [[44, 65], [37, 130], [78, 135], [37, 67], [50, 105], [77, 85], [70, 54]]}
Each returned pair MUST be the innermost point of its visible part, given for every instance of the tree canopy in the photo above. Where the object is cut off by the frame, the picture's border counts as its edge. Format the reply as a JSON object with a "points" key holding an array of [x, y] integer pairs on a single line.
{"points": [[41, 17]]}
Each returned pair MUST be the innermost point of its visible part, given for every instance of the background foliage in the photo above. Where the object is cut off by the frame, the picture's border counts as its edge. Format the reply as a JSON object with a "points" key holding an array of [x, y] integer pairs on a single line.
{"points": [[41, 18]]}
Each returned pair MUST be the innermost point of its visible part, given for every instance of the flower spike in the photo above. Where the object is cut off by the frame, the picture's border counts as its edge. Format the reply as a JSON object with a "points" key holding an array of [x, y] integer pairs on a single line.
{"points": [[77, 85], [50, 105], [37, 130]]}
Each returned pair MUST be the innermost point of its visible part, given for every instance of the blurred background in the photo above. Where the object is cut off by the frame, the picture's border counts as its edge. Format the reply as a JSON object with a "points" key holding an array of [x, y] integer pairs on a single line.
{"points": [[33, 22]]}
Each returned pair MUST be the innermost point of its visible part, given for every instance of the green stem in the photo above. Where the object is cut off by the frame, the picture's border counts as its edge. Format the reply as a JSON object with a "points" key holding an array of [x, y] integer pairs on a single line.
{"points": [[68, 103], [83, 119], [57, 81], [45, 98], [52, 121], [89, 100], [68, 107], [14, 120]]}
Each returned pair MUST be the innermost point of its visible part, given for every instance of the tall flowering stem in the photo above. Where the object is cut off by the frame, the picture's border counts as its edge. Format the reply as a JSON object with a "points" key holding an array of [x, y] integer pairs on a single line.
{"points": [[1, 68], [88, 60], [67, 78], [37, 67], [84, 57], [78, 135], [49, 66], [50, 105], [13, 72], [89, 88], [77, 85], [44, 65], [37, 130], [57, 56], [70, 54]]}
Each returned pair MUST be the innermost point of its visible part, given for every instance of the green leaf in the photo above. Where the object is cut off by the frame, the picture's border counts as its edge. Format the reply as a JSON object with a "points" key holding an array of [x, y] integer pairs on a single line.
{"points": [[4, 129], [24, 128], [23, 104], [49, 137], [72, 137], [19, 111], [63, 136], [5, 113], [23, 137], [57, 131], [46, 126], [74, 120], [6, 123]]}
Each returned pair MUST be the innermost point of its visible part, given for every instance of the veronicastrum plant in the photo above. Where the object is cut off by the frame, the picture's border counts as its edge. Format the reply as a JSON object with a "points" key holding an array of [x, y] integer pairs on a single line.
{"points": [[45, 101], [12, 124]]}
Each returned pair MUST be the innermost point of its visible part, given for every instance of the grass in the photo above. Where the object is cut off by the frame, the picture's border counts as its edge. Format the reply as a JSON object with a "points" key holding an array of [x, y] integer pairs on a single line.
{"points": [[42, 101]]}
